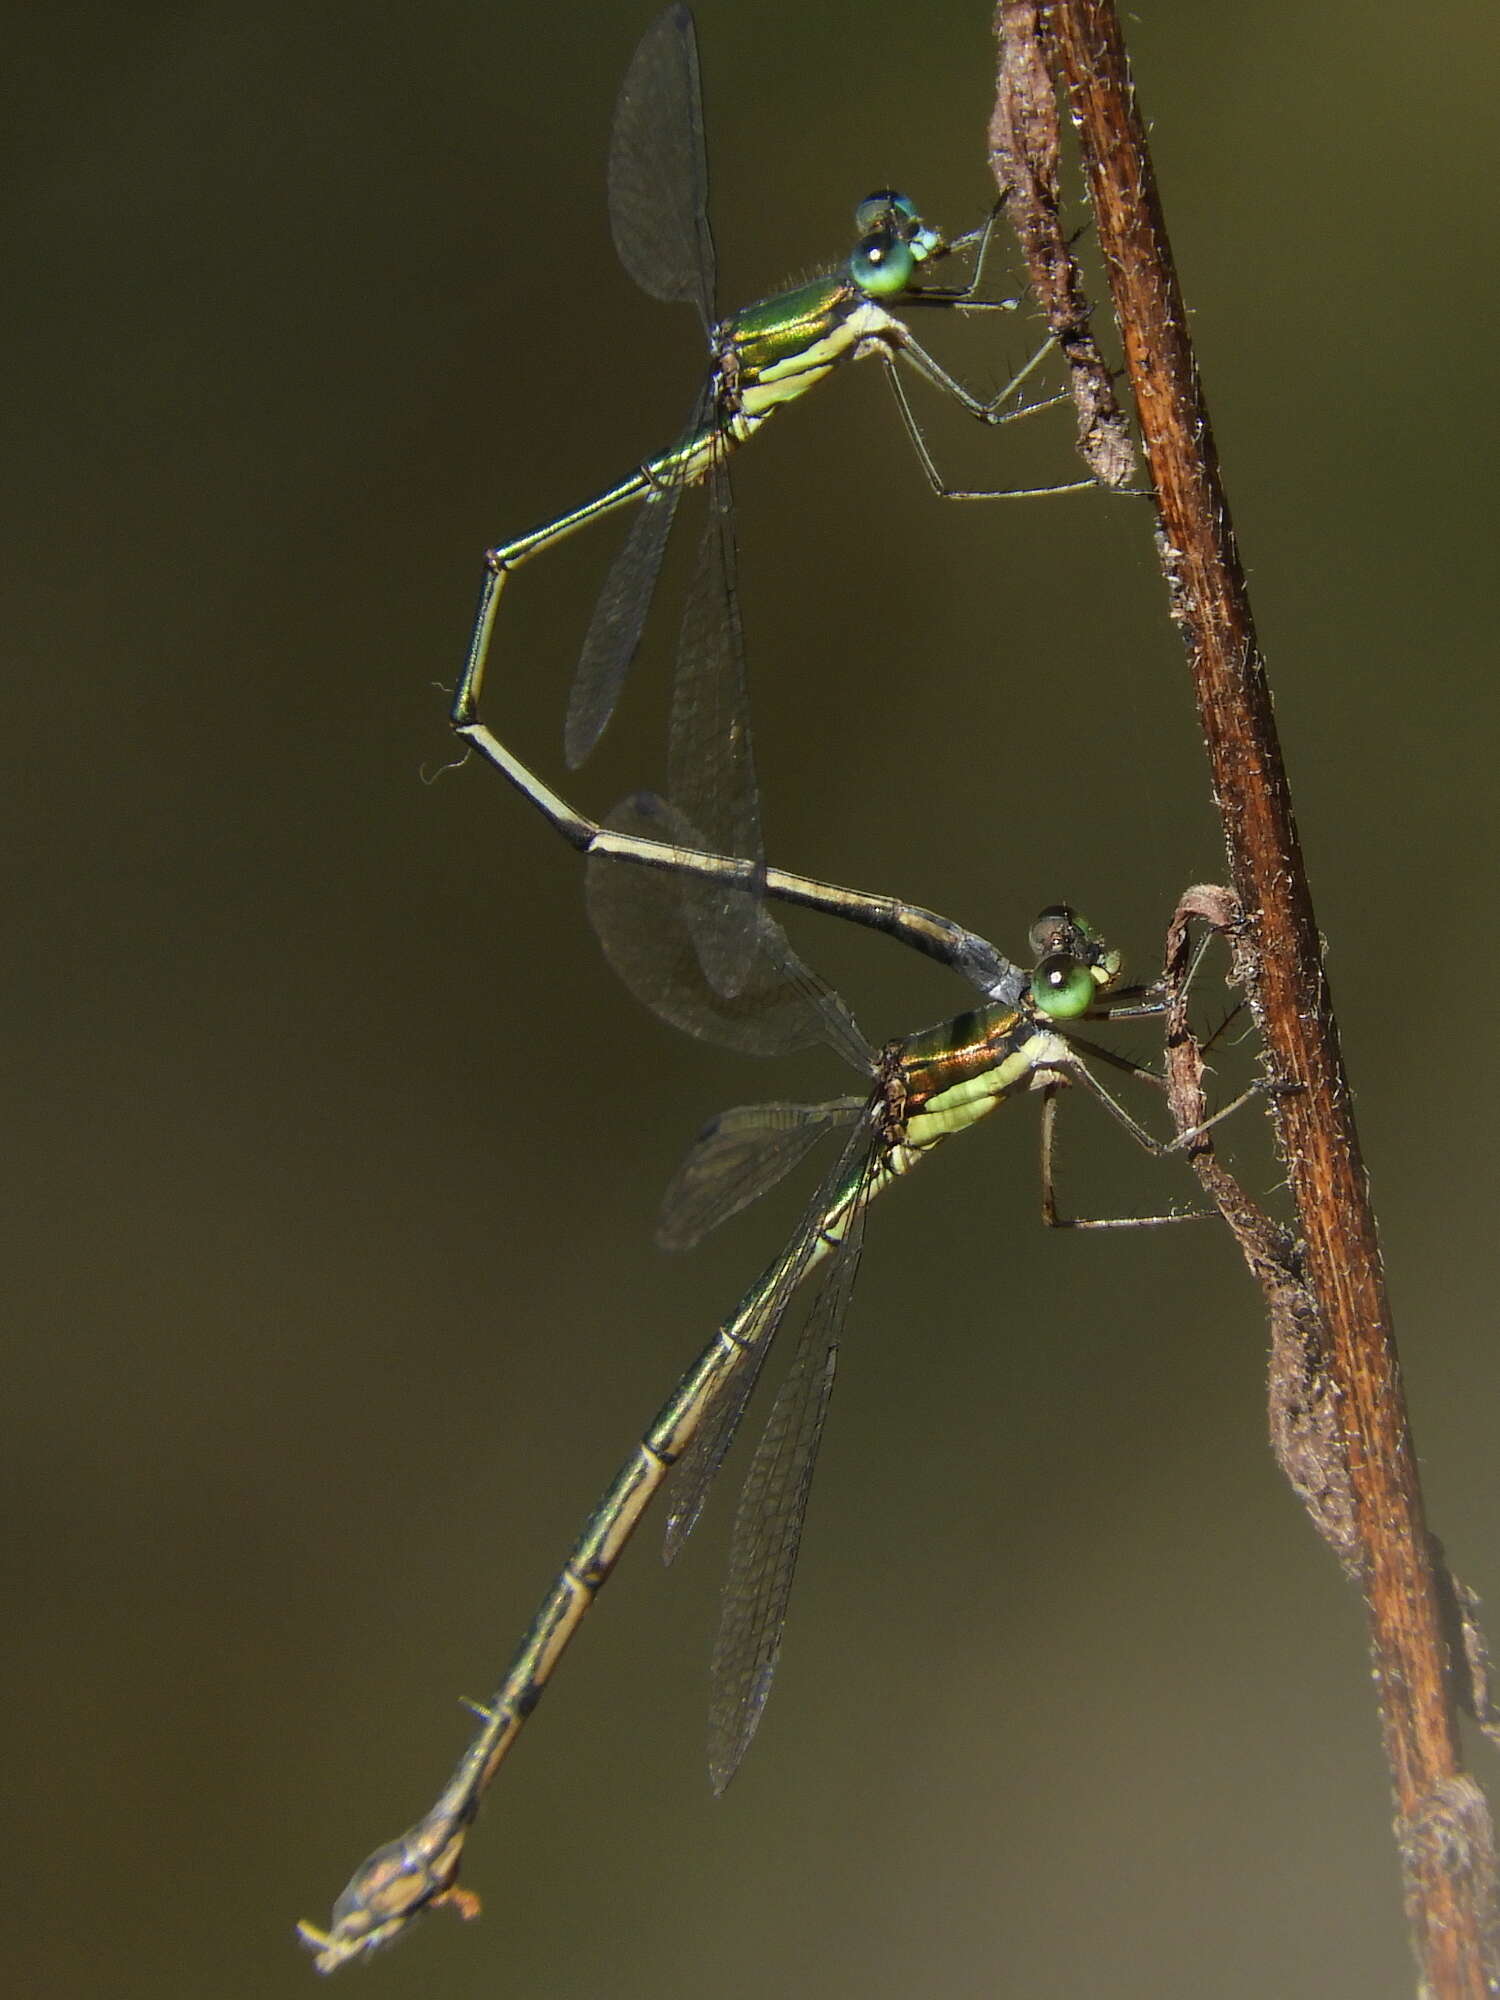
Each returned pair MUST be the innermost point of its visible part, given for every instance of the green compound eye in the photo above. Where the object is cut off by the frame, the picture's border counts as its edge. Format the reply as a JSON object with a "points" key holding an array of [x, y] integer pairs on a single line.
{"points": [[882, 265], [1064, 987], [1060, 932], [885, 209]]}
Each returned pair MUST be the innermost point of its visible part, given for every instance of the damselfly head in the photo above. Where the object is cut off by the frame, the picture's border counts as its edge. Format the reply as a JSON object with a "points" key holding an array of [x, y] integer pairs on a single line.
{"points": [[893, 241], [1074, 966]]}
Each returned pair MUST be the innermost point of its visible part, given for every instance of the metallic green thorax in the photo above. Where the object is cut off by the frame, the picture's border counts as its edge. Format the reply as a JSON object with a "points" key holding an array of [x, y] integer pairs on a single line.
{"points": [[769, 354], [936, 1083], [792, 339], [955, 1074]]}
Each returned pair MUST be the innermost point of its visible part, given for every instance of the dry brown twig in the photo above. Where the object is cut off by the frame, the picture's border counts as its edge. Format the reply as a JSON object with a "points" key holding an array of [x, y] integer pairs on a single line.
{"points": [[1338, 1408]]}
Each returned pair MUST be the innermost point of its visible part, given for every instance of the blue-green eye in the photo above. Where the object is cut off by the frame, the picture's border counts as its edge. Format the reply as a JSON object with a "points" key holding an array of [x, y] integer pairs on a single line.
{"points": [[1064, 987], [883, 210], [882, 265]]}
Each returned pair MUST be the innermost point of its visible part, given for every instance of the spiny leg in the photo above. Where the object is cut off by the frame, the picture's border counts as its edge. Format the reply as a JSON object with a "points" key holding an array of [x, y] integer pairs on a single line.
{"points": [[1078, 1072], [985, 412], [964, 295], [1053, 1217], [989, 410]]}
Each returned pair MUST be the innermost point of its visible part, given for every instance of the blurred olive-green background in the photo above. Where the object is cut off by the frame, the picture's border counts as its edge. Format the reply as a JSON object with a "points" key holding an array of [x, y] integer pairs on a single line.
{"points": [[333, 1145]]}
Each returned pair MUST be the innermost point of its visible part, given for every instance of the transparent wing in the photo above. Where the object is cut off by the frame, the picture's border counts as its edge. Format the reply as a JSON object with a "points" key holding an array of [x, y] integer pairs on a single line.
{"points": [[739, 1156], [694, 1472], [658, 168], [773, 1507], [658, 204], [658, 208], [614, 633], [710, 765], [650, 921]]}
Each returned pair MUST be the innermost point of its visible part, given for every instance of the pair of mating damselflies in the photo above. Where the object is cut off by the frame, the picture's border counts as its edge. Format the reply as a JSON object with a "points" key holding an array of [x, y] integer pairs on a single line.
{"points": [[678, 895]]}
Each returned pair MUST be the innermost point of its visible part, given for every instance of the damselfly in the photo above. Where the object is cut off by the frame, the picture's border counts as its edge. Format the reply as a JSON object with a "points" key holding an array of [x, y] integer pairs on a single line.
{"points": [[651, 887], [760, 358]]}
